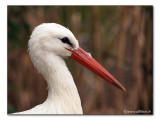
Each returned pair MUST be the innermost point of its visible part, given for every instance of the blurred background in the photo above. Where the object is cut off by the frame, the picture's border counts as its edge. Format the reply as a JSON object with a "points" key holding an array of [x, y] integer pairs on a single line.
{"points": [[118, 37]]}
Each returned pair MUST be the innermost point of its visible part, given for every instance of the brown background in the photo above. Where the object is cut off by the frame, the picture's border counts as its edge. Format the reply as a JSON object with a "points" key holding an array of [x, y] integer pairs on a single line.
{"points": [[119, 37]]}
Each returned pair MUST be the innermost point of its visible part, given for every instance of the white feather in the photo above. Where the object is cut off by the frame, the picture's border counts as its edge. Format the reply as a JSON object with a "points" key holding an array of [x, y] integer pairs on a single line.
{"points": [[47, 52]]}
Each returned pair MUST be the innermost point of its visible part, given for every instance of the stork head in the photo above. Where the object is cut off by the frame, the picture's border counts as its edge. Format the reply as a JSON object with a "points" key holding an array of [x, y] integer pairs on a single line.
{"points": [[53, 39]]}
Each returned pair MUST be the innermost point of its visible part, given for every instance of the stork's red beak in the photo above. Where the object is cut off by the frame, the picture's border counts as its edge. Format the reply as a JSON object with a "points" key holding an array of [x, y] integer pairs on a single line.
{"points": [[85, 59]]}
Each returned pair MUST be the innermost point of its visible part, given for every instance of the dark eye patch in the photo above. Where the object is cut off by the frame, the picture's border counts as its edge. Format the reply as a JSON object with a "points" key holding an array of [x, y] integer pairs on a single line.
{"points": [[66, 40]]}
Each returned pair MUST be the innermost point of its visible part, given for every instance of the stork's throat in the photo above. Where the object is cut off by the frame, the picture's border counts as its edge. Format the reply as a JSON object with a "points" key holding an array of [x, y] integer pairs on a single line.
{"points": [[59, 79]]}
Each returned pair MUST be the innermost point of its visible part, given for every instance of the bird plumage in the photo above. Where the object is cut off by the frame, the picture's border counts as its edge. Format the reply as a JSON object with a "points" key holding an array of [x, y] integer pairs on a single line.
{"points": [[47, 52]]}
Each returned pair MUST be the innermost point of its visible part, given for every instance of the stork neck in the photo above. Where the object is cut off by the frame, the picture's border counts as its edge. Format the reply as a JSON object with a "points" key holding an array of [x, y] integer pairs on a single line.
{"points": [[59, 79]]}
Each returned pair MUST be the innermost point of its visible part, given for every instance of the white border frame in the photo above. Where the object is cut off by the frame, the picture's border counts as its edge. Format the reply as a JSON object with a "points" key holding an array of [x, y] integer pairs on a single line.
{"points": [[3, 58]]}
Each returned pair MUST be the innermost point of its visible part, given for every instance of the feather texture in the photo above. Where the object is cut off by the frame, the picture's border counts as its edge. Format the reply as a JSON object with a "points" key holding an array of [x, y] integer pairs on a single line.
{"points": [[47, 52]]}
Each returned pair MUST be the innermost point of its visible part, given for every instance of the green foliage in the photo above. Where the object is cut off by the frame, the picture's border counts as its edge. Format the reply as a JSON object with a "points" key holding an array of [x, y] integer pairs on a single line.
{"points": [[11, 108]]}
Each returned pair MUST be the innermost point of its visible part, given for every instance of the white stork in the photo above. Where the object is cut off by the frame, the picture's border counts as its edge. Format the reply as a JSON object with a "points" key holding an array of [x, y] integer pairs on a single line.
{"points": [[48, 45]]}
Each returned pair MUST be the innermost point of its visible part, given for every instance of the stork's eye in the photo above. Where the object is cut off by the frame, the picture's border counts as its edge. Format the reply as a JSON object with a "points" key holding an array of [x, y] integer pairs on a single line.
{"points": [[66, 40]]}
